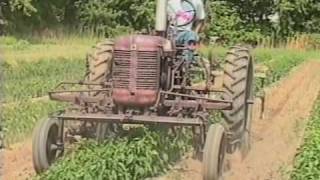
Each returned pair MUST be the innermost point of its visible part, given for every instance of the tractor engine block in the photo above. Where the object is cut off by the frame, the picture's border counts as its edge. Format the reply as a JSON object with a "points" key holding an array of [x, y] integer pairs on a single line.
{"points": [[136, 71]]}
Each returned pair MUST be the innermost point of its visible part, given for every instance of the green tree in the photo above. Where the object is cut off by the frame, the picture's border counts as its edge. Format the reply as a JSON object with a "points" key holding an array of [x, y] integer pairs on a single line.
{"points": [[227, 22], [231, 20], [108, 16], [298, 16]]}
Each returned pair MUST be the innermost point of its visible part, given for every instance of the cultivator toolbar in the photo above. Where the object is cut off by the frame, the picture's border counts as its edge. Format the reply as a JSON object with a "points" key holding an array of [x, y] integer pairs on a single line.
{"points": [[66, 92]]}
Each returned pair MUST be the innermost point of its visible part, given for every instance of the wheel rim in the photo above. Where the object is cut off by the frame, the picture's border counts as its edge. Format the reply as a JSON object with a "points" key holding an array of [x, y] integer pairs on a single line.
{"points": [[52, 144], [221, 161]]}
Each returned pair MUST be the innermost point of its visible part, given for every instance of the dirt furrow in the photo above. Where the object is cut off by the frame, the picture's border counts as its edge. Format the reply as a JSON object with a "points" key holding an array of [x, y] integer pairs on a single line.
{"points": [[277, 137], [18, 161]]}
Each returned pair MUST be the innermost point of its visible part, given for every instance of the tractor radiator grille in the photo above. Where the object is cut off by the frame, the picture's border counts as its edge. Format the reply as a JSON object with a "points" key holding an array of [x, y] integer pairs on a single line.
{"points": [[135, 70]]}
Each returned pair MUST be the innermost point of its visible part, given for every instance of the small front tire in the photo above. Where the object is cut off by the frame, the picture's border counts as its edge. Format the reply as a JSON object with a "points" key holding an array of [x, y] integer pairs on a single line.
{"points": [[214, 153], [46, 146]]}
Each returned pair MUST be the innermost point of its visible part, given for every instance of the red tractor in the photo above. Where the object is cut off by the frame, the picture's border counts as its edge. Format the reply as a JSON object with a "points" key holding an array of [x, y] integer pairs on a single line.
{"points": [[149, 79]]}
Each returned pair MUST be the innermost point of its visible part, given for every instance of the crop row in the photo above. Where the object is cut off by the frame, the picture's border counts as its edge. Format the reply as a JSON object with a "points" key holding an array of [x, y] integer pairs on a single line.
{"points": [[35, 79], [139, 154], [20, 117], [307, 162], [32, 49], [278, 61]]}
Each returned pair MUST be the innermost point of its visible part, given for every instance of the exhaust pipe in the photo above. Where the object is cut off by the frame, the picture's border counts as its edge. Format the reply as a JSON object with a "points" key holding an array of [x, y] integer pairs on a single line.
{"points": [[161, 16]]}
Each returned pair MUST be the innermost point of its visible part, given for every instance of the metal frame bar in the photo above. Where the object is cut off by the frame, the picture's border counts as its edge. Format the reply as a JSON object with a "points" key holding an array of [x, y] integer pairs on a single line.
{"points": [[195, 97], [196, 104], [130, 119], [81, 83], [78, 91]]}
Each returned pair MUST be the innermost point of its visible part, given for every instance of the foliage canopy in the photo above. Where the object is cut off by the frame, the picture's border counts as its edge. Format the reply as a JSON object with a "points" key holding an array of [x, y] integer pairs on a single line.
{"points": [[231, 20]]}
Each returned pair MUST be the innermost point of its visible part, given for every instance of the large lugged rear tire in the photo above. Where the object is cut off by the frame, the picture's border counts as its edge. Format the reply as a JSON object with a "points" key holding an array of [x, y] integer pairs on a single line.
{"points": [[99, 62], [99, 67], [238, 85]]}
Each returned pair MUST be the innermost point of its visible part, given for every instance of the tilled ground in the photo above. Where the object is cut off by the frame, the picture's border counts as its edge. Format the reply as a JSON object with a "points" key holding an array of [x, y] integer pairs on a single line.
{"points": [[18, 161], [275, 138]]}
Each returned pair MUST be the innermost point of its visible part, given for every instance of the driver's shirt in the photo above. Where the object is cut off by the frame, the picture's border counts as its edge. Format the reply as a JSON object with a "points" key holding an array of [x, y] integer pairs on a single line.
{"points": [[184, 13]]}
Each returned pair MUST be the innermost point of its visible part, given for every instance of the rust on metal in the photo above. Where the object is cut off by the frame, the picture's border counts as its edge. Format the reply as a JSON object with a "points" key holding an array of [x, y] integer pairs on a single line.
{"points": [[198, 104]]}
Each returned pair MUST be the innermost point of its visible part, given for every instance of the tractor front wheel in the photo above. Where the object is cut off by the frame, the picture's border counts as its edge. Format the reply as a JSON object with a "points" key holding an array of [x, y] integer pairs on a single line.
{"points": [[46, 144], [214, 153]]}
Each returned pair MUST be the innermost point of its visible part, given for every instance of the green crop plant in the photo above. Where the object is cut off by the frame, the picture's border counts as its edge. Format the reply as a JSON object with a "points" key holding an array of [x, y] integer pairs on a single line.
{"points": [[307, 161], [140, 153], [35, 79], [278, 61], [20, 117]]}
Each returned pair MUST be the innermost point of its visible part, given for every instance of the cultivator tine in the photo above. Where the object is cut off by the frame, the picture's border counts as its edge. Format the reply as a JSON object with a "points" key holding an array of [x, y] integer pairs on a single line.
{"points": [[261, 72], [263, 98]]}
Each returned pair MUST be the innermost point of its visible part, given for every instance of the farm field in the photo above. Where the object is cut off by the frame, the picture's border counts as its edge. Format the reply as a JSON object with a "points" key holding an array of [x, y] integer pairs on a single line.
{"points": [[153, 152]]}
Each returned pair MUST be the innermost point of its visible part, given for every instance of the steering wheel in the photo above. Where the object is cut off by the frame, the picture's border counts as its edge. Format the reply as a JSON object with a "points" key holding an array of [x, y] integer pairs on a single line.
{"points": [[189, 12]]}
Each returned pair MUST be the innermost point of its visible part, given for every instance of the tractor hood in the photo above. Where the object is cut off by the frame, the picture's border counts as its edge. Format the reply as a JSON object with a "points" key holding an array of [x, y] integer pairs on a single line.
{"points": [[139, 43]]}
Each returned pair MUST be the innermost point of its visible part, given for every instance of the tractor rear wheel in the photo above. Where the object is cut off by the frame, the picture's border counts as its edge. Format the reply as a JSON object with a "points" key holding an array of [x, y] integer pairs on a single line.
{"points": [[99, 64], [238, 85]]}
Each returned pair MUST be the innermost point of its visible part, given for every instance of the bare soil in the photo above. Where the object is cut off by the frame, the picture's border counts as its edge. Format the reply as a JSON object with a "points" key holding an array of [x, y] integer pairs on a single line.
{"points": [[275, 138], [18, 161]]}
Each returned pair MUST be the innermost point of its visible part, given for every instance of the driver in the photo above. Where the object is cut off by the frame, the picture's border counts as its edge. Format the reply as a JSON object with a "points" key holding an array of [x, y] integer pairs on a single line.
{"points": [[189, 17]]}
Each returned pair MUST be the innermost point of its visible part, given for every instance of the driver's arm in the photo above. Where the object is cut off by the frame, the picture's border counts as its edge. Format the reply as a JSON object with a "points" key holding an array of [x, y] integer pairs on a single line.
{"points": [[199, 24]]}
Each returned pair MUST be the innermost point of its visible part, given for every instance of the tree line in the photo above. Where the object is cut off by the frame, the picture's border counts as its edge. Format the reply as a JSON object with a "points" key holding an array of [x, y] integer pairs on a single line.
{"points": [[230, 20]]}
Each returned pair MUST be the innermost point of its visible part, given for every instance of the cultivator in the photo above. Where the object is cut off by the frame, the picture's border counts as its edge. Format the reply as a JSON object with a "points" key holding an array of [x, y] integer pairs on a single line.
{"points": [[104, 104], [149, 79]]}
